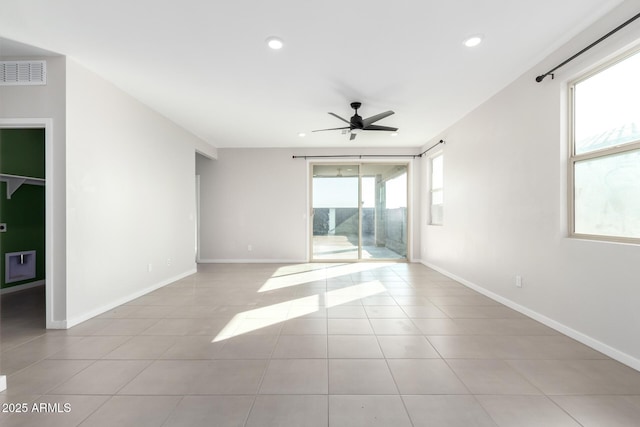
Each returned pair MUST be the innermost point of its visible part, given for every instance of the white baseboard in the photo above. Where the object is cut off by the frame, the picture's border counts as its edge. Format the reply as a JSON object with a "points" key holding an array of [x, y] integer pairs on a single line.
{"points": [[57, 324], [3, 382], [22, 287], [560, 327], [289, 261], [251, 261], [93, 313]]}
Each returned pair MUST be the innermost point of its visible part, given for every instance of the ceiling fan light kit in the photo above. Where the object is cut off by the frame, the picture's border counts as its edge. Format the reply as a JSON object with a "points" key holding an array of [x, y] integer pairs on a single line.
{"points": [[357, 124]]}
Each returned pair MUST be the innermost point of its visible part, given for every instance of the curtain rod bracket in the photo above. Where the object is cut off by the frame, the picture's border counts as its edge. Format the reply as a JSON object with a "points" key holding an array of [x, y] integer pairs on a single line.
{"points": [[542, 76]]}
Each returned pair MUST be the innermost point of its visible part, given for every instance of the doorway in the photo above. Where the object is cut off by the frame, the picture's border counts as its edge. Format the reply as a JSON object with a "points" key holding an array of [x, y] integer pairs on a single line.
{"points": [[55, 292], [22, 208], [359, 211]]}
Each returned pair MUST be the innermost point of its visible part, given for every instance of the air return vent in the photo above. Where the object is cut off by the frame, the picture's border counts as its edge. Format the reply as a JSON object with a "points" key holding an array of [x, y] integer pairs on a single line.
{"points": [[14, 73]]}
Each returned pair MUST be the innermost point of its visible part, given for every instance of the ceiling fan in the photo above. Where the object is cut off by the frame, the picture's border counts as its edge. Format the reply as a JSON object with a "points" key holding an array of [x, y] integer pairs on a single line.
{"points": [[358, 124]]}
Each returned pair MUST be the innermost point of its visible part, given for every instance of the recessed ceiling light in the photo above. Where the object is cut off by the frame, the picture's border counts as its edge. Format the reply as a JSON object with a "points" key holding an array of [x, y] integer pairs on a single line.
{"points": [[274, 43], [394, 134], [473, 41], [302, 134]]}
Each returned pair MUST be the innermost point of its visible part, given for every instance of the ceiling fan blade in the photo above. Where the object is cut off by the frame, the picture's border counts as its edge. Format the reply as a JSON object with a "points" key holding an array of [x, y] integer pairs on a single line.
{"points": [[368, 121], [378, 127], [353, 136], [338, 117], [320, 130]]}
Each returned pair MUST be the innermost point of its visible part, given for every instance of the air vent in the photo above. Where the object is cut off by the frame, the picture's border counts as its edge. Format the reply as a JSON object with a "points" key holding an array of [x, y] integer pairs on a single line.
{"points": [[15, 73]]}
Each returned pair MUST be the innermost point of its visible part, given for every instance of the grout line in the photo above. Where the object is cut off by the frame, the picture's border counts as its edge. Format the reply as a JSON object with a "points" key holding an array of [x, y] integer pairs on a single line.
{"points": [[326, 290], [386, 361]]}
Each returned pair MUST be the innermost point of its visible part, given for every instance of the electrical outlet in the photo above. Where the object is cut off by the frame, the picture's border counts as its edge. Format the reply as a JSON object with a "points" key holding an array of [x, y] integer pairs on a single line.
{"points": [[250, 248], [518, 281], [168, 262], [149, 268]]}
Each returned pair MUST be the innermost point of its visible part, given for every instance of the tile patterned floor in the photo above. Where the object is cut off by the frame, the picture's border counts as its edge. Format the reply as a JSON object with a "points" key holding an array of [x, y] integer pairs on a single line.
{"points": [[307, 345]]}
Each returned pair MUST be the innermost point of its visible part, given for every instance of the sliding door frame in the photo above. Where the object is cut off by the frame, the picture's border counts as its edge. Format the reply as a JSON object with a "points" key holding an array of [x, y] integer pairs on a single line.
{"points": [[360, 164]]}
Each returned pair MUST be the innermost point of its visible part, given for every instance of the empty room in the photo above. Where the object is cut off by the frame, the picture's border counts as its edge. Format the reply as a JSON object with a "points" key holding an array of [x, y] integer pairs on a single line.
{"points": [[296, 214]]}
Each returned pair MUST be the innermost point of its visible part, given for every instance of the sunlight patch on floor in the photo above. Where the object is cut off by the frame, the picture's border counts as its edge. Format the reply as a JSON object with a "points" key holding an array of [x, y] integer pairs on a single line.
{"points": [[258, 318], [300, 274], [352, 293]]}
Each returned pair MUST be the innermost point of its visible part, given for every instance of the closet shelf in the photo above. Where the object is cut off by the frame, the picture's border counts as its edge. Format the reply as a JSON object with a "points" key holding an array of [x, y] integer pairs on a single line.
{"points": [[15, 181]]}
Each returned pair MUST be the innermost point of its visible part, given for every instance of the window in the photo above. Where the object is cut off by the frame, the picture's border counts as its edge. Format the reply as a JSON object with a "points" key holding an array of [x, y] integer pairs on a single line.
{"points": [[604, 163], [437, 189]]}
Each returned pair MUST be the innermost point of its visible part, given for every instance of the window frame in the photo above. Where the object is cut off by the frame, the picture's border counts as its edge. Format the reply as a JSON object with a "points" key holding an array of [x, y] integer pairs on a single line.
{"points": [[573, 158], [432, 189]]}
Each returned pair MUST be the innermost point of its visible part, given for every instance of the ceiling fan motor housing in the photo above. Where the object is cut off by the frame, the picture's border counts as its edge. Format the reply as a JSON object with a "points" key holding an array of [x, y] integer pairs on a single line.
{"points": [[356, 120]]}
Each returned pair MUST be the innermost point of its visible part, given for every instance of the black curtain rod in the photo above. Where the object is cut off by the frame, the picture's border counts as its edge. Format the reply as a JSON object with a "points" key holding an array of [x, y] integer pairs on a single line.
{"points": [[366, 156], [356, 156], [610, 33], [429, 149]]}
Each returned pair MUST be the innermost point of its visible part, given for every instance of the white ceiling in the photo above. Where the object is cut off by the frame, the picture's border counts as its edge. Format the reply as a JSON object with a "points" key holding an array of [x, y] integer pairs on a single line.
{"points": [[205, 65]]}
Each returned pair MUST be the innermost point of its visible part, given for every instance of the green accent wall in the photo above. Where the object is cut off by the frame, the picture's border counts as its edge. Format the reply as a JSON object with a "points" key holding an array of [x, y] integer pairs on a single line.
{"points": [[22, 153]]}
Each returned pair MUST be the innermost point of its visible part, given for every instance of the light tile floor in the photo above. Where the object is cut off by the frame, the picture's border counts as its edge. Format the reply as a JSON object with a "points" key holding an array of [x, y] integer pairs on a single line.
{"points": [[307, 345]]}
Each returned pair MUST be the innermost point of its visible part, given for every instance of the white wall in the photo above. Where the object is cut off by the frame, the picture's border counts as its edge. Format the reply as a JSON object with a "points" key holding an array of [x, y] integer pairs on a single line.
{"points": [[130, 196], [506, 215], [23, 104], [252, 197], [122, 194], [259, 197]]}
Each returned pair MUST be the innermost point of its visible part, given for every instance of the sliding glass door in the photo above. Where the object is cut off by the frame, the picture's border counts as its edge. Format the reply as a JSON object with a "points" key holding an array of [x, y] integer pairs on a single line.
{"points": [[359, 212], [384, 220], [336, 223]]}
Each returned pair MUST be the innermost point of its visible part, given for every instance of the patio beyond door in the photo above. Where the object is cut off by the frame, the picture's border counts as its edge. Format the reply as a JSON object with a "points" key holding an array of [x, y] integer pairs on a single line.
{"points": [[359, 212]]}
